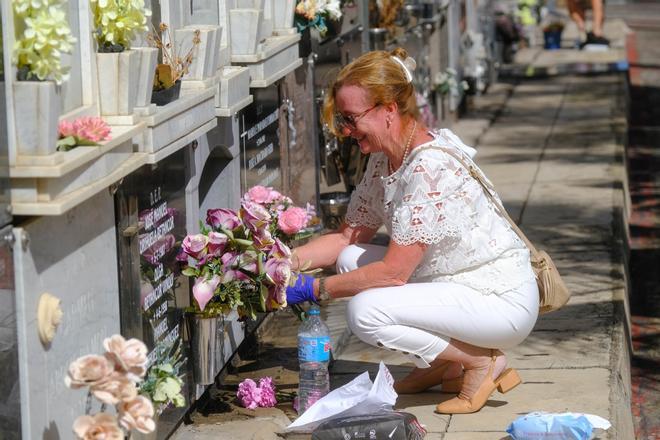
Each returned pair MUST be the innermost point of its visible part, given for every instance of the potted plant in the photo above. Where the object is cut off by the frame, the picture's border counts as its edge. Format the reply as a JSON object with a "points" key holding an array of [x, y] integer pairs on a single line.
{"points": [[43, 35], [173, 65], [239, 261], [116, 24]]}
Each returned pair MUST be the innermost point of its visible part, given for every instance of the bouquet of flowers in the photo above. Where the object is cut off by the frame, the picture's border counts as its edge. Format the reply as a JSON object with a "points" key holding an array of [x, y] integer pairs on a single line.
{"points": [[84, 131], [112, 379], [314, 13], [240, 259]]}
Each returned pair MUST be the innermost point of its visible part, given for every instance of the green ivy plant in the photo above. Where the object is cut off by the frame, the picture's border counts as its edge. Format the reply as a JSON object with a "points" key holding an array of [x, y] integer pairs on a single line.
{"points": [[43, 35], [116, 23]]}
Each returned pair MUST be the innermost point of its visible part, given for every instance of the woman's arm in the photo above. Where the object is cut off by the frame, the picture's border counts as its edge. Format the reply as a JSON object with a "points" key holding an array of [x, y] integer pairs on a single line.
{"points": [[324, 250], [395, 269]]}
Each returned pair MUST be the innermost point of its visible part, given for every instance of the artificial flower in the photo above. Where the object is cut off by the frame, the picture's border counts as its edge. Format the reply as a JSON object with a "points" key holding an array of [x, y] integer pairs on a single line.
{"points": [[195, 245], [88, 370], [204, 289], [137, 414], [116, 388], [292, 220], [118, 21], [98, 426], [130, 356], [222, 218]]}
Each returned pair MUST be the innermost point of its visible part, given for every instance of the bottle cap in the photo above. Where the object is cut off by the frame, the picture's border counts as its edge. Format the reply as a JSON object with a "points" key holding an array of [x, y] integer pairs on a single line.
{"points": [[314, 310]]}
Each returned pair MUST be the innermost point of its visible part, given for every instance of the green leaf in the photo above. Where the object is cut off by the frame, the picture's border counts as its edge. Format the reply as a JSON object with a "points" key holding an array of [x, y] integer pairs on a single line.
{"points": [[243, 242], [228, 233], [190, 272], [66, 144]]}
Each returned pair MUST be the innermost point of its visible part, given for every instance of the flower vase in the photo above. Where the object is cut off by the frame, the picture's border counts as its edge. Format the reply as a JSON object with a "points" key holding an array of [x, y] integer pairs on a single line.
{"points": [[148, 61], [165, 96], [552, 39], [118, 76], [244, 30], [37, 107], [283, 15], [205, 55], [207, 338]]}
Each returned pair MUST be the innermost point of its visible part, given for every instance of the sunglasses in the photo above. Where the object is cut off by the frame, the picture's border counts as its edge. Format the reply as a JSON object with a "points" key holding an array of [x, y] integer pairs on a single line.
{"points": [[350, 121]]}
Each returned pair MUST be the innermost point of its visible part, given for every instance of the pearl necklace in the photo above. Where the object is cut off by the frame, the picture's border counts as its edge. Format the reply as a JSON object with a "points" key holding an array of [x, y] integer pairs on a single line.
{"points": [[405, 152]]}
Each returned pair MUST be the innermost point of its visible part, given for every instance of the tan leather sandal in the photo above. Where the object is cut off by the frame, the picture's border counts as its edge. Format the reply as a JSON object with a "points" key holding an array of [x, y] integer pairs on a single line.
{"points": [[505, 382]]}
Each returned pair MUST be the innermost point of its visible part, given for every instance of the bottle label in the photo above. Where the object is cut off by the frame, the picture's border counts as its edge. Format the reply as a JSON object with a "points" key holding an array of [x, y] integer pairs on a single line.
{"points": [[312, 349]]}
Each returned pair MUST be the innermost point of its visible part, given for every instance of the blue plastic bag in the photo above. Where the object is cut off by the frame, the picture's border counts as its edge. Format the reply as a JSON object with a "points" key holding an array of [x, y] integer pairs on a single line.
{"points": [[546, 426]]}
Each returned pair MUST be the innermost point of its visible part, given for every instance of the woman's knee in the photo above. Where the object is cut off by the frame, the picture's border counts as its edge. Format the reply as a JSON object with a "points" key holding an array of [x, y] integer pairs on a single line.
{"points": [[360, 315]]}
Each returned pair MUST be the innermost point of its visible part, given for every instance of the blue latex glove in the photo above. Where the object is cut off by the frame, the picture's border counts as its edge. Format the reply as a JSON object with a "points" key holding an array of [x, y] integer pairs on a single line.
{"points": [[302, 291]]}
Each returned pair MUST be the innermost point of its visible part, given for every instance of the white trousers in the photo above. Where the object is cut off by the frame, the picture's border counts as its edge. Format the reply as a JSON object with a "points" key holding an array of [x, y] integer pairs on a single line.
{"points": [[420, 319]]}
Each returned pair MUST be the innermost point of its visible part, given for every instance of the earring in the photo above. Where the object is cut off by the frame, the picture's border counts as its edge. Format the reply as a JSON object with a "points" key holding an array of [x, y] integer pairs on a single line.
{"points": [[388, 122]]}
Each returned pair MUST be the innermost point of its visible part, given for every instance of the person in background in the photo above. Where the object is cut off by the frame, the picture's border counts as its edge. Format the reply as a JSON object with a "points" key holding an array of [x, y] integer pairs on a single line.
{"points": [[577, 9], [455, 285]]}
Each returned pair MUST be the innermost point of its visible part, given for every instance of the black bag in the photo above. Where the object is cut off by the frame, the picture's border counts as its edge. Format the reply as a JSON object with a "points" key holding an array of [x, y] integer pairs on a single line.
{"points": [[391, 425]]}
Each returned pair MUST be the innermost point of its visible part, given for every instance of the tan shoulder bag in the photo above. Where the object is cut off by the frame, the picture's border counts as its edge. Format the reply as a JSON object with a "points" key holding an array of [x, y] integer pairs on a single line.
{"points": [[553, 293]]}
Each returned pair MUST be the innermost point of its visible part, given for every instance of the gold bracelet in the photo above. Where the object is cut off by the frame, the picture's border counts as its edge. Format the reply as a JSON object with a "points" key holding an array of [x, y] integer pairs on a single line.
{"points": [[323, 294]]}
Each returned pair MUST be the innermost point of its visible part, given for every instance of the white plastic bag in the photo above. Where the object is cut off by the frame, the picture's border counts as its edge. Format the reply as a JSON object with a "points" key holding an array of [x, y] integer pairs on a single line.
{"points": [[359, 396]]}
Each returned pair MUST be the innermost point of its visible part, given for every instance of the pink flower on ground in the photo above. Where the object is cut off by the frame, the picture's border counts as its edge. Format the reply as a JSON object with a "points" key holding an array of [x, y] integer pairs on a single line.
{"points": [[268, 399], [292, 220], [66, 128], [217, 243], [128, 355], [137, 414], [195, 245], [204, 289], [261, 194], [222, 218], [92, 128], [99, 426], [249, 394]]}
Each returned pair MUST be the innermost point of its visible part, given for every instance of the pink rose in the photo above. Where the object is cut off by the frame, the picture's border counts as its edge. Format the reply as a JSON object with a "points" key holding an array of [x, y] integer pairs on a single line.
{"points": [[217, 243], [263, 240], [129, 355], [195, 245], [91, 128], [261, 194], [279, 273], [137, 414], [204, 289], [279, 250], [292, 220], [255, 216], [99, 426], [222, 218], [88, 370], [117, 388]]}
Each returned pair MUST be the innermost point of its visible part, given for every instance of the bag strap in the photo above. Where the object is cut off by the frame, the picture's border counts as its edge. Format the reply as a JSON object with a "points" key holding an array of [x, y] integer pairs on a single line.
{"points": [[488, 189]]}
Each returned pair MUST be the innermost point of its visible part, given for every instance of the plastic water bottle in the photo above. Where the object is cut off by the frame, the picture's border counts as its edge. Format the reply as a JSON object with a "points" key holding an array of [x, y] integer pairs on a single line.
{"points": [[313, 356]]}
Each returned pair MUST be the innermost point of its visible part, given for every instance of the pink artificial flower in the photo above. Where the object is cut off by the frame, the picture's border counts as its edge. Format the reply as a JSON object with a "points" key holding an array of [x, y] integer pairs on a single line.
{"points": [[249, 394], [88, 370], [195, 245], [279, 250], [252, 396], [204, 289], [263, 240], [117, 388], [98, 426], [255, 216], [268, 399], [261, 194], [129, 356], [279, 273], [66, 129], [91, 128], [217, 243], [222, 218], [292, 220], [137, 414]]}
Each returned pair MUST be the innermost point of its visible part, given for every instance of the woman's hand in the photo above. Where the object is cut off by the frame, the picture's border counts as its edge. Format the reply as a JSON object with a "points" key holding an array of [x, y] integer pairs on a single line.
{"points": [[302, 291]]}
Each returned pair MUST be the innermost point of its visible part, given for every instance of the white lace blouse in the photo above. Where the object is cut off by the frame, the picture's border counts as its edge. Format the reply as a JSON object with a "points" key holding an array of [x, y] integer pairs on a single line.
{"points": [[432, 199]]}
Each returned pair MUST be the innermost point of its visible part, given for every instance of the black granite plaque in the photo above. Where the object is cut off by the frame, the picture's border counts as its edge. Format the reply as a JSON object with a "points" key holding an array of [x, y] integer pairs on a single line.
{"points": [[259, 139], [151, 223]]}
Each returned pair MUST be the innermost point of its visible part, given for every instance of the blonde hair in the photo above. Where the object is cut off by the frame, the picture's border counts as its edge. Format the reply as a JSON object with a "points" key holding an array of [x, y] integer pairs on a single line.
{"points": [[384, 80]]}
